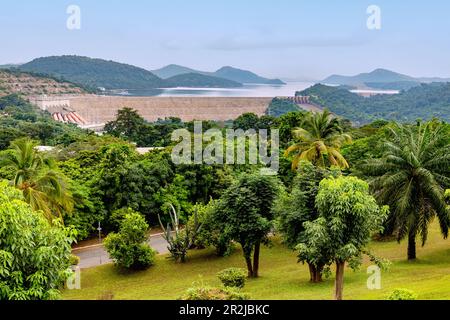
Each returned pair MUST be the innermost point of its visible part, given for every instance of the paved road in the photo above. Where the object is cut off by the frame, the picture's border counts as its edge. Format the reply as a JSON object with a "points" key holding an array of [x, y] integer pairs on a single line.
{"points": [[96, 255]]}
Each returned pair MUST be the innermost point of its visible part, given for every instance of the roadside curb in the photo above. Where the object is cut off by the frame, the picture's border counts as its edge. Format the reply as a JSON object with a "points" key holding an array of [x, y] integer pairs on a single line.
{"points": [[101, 244]]}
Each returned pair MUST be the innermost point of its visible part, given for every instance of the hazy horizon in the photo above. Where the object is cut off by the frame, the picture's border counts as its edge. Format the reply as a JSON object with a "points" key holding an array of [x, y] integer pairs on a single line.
{"points": [[305, 40]]}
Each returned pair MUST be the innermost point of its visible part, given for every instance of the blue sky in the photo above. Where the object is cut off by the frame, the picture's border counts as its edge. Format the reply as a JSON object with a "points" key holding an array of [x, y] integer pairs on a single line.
{"points": [[283, 38]]}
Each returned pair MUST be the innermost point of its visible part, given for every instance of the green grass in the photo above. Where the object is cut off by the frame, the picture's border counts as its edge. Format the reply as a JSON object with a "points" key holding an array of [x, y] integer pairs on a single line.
{"points": [[281, 276]]}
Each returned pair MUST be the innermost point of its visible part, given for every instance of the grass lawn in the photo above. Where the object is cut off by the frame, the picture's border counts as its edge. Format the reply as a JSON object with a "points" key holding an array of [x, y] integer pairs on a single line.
{"points": [[282, 278]]}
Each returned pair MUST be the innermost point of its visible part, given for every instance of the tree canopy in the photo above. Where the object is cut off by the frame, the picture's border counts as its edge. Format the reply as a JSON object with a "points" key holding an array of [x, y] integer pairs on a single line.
{"points": [[34, 255], [348, 216]]}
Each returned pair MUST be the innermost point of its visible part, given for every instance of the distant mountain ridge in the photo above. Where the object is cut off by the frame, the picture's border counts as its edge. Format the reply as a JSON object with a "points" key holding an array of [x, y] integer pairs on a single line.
{"points": [[173, 70], [380, 78], [230, 73], [195, 80], [111, 75], [244, 76]]}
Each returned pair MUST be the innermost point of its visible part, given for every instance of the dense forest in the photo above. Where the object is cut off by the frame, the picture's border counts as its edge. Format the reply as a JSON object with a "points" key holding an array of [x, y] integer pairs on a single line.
{"points": [[422, 102]]}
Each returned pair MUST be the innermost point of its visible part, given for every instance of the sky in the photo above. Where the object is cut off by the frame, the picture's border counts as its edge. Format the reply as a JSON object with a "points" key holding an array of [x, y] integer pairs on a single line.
{"points": [[296, 39]]}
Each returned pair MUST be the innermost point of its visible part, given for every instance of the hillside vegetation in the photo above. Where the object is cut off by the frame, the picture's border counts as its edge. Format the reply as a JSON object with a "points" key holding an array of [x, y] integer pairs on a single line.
{"points": [[196, 80], [244, 76], [381, 79], [378, 75], [423, 102], [278, 107], [29, 84], [95, 73], [229, 73]]}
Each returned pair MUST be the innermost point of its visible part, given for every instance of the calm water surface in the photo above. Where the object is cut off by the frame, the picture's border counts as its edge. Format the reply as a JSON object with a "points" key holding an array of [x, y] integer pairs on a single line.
{"points": [[248, 90]]}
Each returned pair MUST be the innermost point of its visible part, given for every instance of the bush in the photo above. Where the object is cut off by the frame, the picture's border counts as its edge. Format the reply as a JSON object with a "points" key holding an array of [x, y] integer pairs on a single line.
{"points": [[74, 260], [233, 277], [209, 235], [209, 293], [402, 294], [128, 248], [117, 217]]}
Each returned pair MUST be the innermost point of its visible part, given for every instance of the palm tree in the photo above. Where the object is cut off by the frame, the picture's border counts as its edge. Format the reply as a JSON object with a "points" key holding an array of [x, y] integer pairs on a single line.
{"points": [[35, 175], [410, 178], [319, 141]]}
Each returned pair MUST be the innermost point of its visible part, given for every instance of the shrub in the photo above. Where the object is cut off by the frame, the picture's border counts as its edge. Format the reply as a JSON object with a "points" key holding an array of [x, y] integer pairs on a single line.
{"points": [[117, 217], [209, 234], [402, 294], [74, 260], [233, 277], [128, 248], [209, 293]]}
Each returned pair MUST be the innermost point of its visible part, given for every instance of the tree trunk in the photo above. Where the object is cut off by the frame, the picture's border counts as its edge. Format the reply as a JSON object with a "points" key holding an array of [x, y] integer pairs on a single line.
{"points": [[315, 273], [312, 272], [249, 266], [339, 282], [411, 246], [256, 259]]}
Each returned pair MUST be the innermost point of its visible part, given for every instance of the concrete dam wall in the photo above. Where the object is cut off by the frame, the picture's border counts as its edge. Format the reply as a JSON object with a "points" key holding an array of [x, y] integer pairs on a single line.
{"points": [[101, 109]]}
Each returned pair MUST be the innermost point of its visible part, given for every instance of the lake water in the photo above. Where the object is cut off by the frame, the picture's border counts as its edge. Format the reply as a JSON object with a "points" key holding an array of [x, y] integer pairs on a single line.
{"points": [[248, 90]]}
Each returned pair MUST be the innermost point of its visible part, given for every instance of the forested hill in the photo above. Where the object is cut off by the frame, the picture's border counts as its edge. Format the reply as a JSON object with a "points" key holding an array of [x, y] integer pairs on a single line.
{"points": [[195, 80], [229, 73], [244, 76], [422, 102], [94, 73], [98, 73]]}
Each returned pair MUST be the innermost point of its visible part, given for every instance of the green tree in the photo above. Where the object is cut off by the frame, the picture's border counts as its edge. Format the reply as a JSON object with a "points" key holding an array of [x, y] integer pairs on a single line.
{"points": [[320, 138], [34, 255], [348, 216], [287, 123], [244, 214], [128, 248], [125, 181], [246, 122], [297, 206], [411, 178], [36, 175], [128, 125]]}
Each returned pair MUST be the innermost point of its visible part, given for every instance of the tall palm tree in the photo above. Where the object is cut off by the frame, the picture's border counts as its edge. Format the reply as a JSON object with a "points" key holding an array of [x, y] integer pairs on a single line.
{"points": [[319, 141], [411, 177], [35, 175]]}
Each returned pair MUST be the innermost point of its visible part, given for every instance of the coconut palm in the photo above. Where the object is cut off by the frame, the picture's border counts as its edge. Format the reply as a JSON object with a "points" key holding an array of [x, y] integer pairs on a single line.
{"points": [[410, 178], [35, 175], [319, 141]]}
